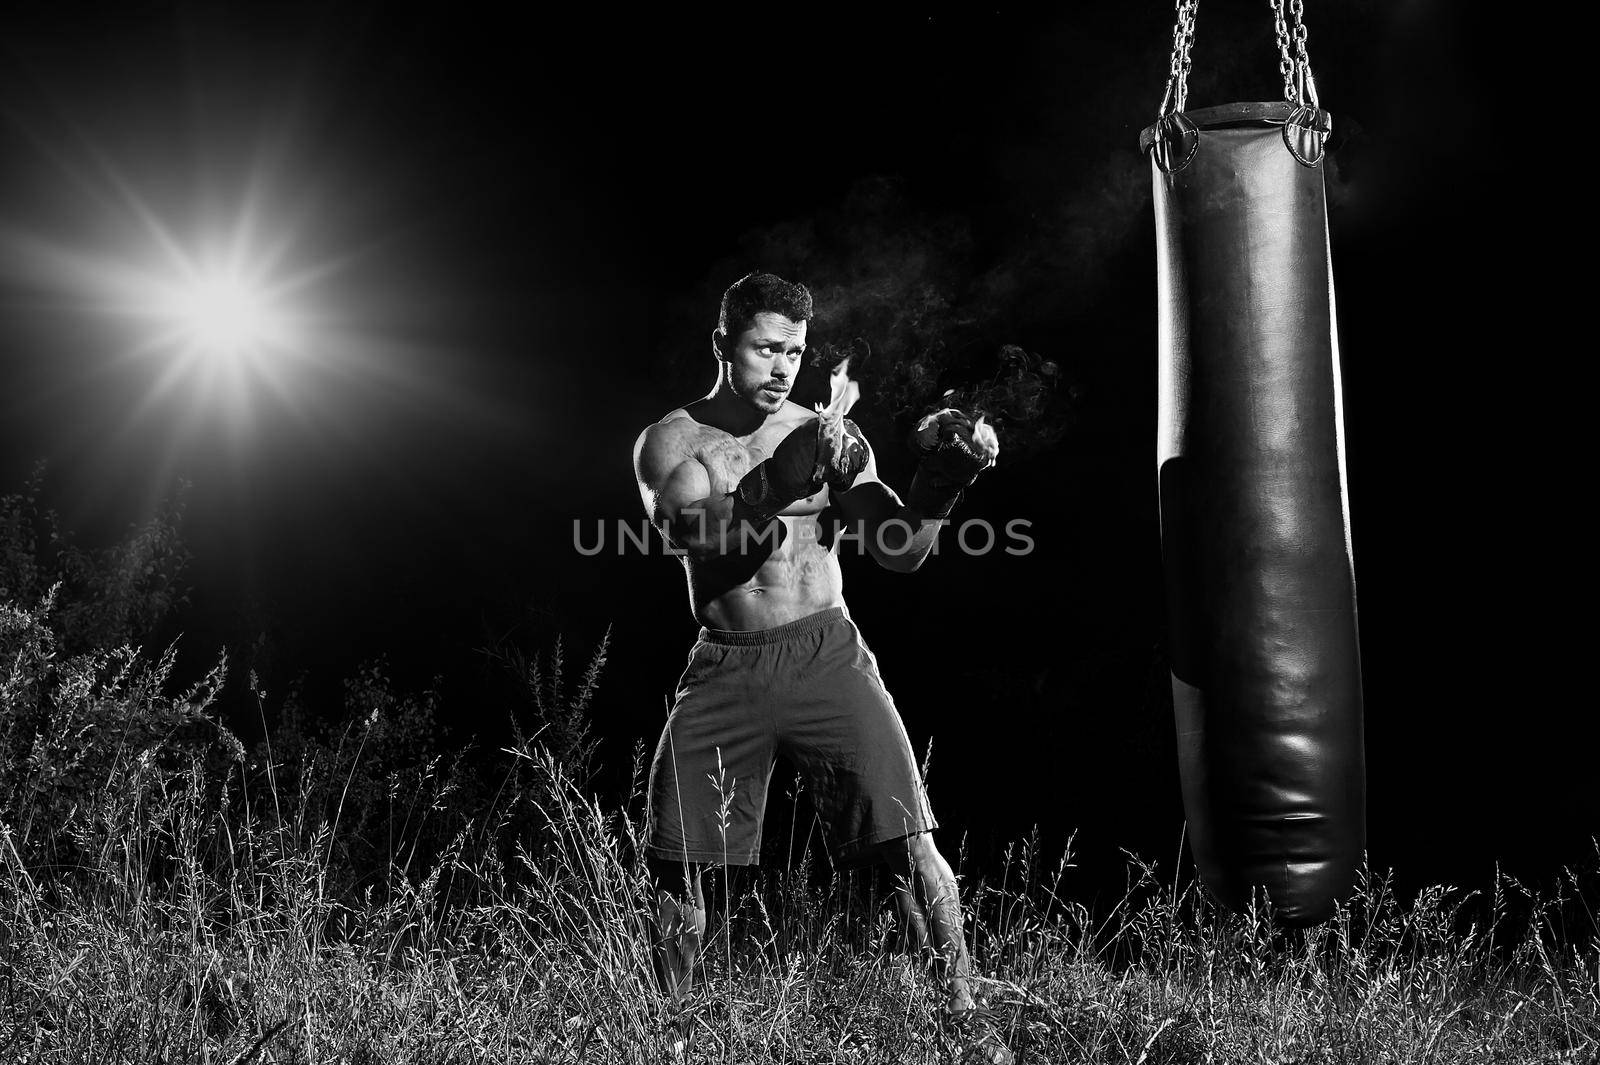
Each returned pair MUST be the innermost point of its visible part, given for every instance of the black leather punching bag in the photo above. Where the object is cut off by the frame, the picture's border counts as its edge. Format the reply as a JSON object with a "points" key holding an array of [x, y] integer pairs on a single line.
{"points": [[1266, 672]]}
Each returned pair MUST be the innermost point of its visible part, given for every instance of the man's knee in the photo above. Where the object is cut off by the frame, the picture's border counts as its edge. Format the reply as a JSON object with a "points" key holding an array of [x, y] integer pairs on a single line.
{"points": [[915, 852], [679, 917], [675, 875]]}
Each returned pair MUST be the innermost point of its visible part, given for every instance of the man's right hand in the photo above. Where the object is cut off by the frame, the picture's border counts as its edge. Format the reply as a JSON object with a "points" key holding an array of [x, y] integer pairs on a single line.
{"points": [[791, 473]]}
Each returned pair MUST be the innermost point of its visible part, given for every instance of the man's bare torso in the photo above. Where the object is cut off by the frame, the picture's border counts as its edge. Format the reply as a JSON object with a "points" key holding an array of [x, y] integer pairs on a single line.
{"points": [[800, 577]]}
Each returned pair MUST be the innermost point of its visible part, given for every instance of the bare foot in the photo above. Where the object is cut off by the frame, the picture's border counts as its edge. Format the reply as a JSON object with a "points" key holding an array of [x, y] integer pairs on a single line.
{"points": [[978, 1037], [961, 1000]]}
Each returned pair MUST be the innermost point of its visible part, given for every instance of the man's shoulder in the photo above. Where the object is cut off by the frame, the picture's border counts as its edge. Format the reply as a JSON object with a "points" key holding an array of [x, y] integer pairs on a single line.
{"points": [[665, 442], [672, 426]]}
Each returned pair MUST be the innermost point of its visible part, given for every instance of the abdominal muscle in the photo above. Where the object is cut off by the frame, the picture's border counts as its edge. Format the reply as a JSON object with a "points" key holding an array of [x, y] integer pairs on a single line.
{"points": [[800, 578]]}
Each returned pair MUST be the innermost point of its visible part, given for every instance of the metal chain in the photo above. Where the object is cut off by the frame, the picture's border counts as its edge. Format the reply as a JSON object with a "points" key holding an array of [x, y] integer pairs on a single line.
{"points": [[1286, 63], [1307, 88], [1178, 69]]}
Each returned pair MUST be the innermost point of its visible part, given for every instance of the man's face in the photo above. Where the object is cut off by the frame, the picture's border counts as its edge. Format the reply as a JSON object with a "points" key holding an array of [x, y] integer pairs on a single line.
{"points": [[763, 360]]}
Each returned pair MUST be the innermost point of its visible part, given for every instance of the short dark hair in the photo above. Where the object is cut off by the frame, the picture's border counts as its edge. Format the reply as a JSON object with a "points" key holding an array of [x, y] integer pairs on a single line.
{"points": [[754, 293]]}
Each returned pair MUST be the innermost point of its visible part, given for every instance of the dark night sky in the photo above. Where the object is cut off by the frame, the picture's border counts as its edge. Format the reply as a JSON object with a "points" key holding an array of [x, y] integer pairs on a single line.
{"points": [[538, 219]]}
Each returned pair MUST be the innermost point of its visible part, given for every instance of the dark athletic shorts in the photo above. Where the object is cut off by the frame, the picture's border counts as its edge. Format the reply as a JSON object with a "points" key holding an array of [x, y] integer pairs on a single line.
{"points": [[808, 690]]}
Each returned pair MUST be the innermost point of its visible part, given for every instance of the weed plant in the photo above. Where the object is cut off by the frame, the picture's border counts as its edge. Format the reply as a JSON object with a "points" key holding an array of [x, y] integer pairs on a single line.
{"points": [[346, 893]]}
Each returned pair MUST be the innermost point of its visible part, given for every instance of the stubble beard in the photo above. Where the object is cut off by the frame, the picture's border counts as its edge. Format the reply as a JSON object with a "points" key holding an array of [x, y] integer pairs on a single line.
{"points": [[759, 398]]}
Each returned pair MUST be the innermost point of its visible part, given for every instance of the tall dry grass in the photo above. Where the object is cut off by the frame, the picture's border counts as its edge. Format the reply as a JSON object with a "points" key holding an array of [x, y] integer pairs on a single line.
{"points": [[166, 896]]}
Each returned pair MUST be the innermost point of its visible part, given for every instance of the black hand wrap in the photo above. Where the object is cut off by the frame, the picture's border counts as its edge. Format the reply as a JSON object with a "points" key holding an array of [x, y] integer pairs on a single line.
{"points": [[933, 496], [774, 483], [947, 468]]}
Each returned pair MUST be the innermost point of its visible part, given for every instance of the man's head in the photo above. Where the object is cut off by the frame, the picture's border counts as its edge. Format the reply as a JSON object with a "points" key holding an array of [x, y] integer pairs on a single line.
{"points": [[760, 337]]}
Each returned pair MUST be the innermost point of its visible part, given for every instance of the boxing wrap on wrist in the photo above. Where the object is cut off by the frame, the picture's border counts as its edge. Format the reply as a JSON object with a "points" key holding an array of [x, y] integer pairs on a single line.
{"points": [[951, 461], [930, 496], [773, 483]]}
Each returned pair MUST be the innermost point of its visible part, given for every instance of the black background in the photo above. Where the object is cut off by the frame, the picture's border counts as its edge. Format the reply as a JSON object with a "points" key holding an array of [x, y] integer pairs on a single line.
{"points": [[548, 209]]}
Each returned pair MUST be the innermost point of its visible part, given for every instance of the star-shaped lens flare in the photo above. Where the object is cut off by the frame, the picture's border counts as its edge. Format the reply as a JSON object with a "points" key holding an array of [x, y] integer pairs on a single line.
{"points": [[223, 299], [208, 315], [225, 317]]}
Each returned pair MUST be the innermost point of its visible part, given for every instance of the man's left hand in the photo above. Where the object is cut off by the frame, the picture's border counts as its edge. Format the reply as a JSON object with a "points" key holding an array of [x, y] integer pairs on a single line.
{"points": [[954, 450]]}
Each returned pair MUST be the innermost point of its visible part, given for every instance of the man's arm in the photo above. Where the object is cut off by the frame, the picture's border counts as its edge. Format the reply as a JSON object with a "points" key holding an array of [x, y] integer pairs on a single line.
{"points": [[897, 537], [900, 535]]}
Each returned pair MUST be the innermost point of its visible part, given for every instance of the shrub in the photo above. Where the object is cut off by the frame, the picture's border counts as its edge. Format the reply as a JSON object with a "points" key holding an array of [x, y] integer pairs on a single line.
{"points": [[88, 741], [110, 596]]}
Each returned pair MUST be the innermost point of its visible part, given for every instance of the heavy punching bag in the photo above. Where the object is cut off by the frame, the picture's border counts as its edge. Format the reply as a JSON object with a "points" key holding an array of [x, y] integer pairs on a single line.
{"points": [[1266, 672]]}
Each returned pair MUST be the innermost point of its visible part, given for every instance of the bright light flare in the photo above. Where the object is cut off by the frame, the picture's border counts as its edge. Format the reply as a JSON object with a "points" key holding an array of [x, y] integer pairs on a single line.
{"points": [[215, 311], [225, 316], [237, 295]]}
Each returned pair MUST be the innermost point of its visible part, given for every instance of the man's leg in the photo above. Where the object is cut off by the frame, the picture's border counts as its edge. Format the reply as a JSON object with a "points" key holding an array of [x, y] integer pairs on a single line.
{"points": [[913, 921], [926, 890], [680, 923], [930, 903]]}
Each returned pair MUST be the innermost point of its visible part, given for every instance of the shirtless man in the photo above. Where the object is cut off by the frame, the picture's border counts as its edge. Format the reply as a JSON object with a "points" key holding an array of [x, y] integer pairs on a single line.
{"points": [[736, 481]]}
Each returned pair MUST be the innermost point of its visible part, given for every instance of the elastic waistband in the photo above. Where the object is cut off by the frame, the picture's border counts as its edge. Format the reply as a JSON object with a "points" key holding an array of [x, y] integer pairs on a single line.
{"points": [[778, 634]]}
